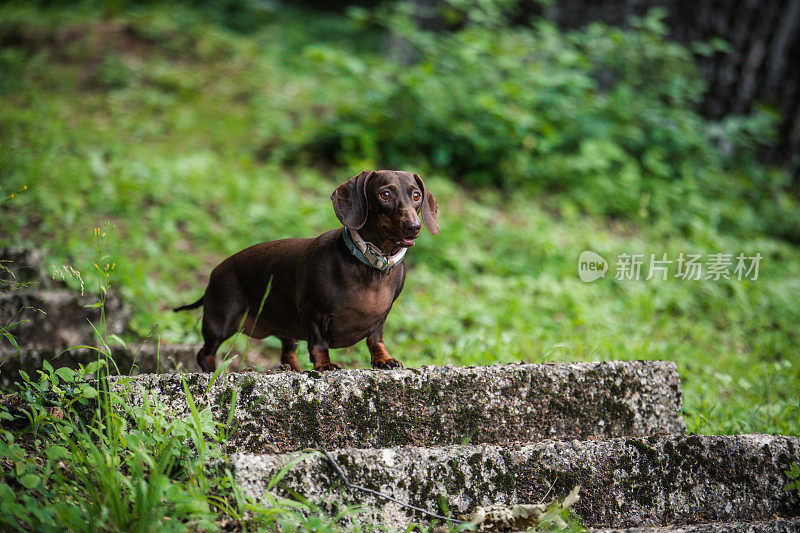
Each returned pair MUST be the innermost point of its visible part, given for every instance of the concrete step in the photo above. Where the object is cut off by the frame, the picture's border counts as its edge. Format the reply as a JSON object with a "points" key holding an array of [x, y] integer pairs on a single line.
{"points": [[22, 266], [501, 404], [778, 525], [625, 482], [55, 319], [135, 359]]}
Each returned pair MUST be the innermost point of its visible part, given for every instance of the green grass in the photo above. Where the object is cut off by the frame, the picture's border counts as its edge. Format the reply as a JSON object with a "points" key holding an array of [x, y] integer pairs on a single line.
{"points": [[178, 132], [92, 461]]}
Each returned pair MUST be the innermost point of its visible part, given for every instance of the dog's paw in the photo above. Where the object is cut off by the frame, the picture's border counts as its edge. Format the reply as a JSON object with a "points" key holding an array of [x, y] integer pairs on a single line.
{"points": [[328, 366], [206, 362], [387, 364]]}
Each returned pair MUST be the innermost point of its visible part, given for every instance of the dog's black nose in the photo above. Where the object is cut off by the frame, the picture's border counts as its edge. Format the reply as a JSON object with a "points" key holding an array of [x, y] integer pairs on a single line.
{"points": [[411, 227]]}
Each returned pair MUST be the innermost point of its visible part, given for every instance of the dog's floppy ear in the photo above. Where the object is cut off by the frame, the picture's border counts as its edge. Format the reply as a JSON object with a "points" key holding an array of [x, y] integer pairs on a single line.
{"points": [[429, 208], [350, 201]]}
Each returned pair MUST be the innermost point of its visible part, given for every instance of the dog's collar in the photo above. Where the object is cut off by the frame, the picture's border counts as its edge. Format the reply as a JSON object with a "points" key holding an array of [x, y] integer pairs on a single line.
{"points": [[368, 253]]}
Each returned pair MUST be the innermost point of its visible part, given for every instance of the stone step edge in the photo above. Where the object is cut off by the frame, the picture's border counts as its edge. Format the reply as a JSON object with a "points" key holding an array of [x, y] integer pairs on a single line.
{"points": [[57, 318], [778, 525], [139, 357], [626, 482], [498, 404]]}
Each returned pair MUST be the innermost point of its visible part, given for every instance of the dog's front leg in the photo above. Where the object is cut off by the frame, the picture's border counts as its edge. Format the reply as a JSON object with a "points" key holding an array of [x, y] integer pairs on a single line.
{"points": [[318, 349], [378, 352]]}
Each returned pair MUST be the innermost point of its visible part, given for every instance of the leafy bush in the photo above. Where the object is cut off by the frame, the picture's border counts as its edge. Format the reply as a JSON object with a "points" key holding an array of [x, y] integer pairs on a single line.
{"points": [[605, 116]]}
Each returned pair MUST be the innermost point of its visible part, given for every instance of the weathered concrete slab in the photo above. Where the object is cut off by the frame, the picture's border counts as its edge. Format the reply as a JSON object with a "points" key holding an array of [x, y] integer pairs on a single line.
{"points": [[498, 404], [626, 482], [135, 359], [778, 525], [55, 319], [21, 265]]}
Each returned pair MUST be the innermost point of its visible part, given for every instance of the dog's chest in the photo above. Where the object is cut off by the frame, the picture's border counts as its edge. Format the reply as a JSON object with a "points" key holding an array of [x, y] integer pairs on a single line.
{"points": [[358, 314], [368, 303]]}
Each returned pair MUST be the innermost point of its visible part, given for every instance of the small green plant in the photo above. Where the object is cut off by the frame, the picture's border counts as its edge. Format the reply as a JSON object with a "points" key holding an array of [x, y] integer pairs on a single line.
{"points": [[794, 475], [11, 196], [8, 283], [6, 330], [58, 393]]}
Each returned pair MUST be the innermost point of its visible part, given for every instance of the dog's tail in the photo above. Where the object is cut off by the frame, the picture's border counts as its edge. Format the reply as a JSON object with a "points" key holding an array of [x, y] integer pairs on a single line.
{"points": [[195, 305]]}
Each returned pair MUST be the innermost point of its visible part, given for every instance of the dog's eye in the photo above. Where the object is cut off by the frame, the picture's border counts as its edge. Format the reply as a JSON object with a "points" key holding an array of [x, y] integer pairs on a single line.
{"points": [[385, 195], [416, 195]]}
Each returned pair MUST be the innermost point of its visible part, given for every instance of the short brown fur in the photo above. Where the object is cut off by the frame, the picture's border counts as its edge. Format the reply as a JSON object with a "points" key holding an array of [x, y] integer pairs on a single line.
{"points": [[318, 291]]}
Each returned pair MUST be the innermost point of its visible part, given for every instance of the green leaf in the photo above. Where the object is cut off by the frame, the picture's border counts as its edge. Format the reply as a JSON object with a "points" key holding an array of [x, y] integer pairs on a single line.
{"points": [[5, 492], [201, 444], [217, 372], [30, 481], [67, 374], [94, 366], [232, 410], [288, 466], [57, 452], [47, 366], [12, 340], [118, 340], [89, 392]]}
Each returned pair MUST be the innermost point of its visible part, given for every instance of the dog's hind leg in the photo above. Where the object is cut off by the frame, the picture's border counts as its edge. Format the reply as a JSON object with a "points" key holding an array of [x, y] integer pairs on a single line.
{"points": [[288, 354], [216, 330], [205, 357]]}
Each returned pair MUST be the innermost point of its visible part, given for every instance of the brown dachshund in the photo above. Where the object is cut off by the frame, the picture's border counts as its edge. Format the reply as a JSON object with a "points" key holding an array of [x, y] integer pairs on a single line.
{"points": [[331, 291]]}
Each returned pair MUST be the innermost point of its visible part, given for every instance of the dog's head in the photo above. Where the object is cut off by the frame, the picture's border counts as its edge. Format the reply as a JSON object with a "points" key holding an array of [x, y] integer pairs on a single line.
{"points": [[385, 206]]}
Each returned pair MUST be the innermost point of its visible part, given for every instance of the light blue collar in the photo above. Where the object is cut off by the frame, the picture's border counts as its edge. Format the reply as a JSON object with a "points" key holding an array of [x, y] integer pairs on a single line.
{"points": [[368, 253]]}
